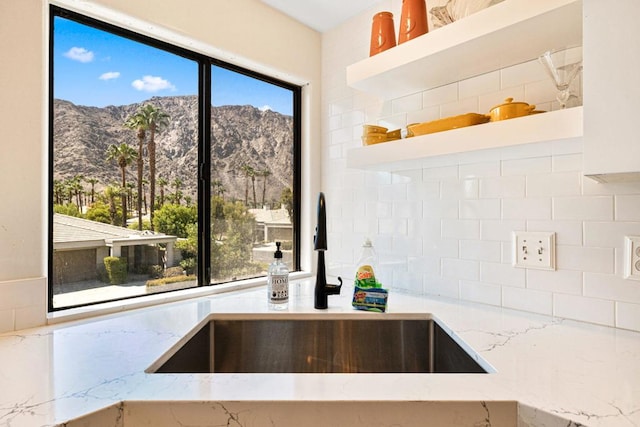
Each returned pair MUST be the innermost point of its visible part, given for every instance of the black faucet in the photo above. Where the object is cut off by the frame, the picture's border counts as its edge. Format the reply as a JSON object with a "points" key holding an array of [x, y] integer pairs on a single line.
{"points": [[323, 289]]}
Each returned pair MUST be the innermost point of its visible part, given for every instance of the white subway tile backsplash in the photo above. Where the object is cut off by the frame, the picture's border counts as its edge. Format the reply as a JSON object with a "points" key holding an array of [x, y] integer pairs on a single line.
{"points": [[590, 310], [526, 166], [502, 187], [460, 269], [478, 170], [480, 292], [526, 72], [556, 184], [480, 209], [587, 259], [439, 247], [500, 230], [567, 232], [485, 83], [462, 106], [590, 208], [559, 281], [392, 226], [427, 114], [609, 234], [628, 316], [440, 209], [446, 224], [440, 95], [611, 287], [480, 250], [460, 229], [459, 189], [441, 286], [407, 104], [502, 274], [407, 209], [567, 163], [439, 173], [528, 300], [529, 208], [627, 207]]}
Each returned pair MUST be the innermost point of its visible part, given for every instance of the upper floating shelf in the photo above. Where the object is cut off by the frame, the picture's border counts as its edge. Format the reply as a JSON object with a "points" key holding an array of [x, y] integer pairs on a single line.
{"points": [[500, 36], [410, 153]]}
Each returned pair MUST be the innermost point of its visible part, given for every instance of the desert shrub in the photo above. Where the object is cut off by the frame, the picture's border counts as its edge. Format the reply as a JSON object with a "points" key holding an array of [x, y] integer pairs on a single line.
{"points": [[155, 271], [116, 268], [173, 272], [189, 265]]}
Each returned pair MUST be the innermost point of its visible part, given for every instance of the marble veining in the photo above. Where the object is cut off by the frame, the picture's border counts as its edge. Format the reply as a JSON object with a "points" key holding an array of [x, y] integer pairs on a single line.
{"points": [[548, 373]]}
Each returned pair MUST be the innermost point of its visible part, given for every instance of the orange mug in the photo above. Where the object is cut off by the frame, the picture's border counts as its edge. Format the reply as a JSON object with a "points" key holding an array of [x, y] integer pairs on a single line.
{"points": [[413, 20], [383, 33]]}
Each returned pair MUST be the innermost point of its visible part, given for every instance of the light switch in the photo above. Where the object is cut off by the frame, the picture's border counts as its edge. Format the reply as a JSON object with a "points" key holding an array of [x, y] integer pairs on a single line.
{"points": [[534, 249]]}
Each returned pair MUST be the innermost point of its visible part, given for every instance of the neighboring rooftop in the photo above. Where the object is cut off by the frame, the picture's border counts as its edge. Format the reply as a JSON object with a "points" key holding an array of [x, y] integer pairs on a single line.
{"points": [[73, 231]]}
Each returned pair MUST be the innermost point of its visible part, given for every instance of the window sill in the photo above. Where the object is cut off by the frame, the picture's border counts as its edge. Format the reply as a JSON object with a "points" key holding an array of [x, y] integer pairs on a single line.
{"points": [[80, 313]]}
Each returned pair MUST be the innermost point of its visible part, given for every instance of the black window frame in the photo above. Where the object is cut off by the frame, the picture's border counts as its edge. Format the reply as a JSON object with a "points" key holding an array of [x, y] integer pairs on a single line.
{"points": [[205, 63]]}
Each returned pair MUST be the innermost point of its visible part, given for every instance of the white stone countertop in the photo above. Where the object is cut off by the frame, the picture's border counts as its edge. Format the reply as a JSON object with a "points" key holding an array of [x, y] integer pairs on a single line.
{"points": [[92, 372]]}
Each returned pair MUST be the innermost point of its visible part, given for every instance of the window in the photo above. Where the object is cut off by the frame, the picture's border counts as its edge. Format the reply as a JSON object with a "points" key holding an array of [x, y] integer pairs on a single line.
{"points": [[168, 169]]}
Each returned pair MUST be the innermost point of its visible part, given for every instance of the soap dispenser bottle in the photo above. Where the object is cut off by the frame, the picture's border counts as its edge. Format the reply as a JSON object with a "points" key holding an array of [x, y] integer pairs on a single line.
{"points": [[366, 267], [278, 282]]}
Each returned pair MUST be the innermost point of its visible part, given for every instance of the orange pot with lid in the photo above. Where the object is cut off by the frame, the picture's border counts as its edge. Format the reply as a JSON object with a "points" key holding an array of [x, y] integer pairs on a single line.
{"points": [[510, 110]]}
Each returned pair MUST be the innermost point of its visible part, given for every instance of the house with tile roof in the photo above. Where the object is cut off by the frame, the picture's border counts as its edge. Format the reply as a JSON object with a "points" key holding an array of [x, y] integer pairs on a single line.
{"points": [[80, 246]]}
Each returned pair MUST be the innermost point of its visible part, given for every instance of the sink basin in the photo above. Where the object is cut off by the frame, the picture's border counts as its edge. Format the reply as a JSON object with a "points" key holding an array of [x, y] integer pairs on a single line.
{"points": [[289, 343]]}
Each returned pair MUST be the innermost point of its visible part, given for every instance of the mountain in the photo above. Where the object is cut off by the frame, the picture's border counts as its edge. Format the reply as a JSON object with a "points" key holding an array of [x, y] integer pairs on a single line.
{"points": [[241, 135]]}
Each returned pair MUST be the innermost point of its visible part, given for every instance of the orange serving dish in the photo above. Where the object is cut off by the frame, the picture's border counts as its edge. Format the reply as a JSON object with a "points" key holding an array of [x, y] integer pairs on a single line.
{"points": [[447, 123]]}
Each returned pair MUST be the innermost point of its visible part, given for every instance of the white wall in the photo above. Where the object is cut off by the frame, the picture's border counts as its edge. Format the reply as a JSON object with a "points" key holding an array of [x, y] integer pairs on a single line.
{"points": [[244, 32], [446, 229]]}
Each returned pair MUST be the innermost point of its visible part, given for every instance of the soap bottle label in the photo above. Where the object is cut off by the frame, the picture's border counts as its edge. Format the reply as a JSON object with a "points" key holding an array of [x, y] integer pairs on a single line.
{"points": [[279, 289]]}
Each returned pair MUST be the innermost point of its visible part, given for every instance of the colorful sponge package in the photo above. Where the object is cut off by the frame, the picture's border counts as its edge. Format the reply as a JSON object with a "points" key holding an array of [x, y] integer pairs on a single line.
{"points": [[370, 299]]}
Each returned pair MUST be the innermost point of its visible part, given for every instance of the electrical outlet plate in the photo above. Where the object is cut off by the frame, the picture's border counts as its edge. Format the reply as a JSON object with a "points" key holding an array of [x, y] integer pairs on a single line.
{"points": [[535, 249], [632, 257]]}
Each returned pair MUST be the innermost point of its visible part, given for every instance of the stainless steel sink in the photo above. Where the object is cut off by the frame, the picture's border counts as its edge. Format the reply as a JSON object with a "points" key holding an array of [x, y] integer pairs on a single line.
{"points": [[286, 343]]}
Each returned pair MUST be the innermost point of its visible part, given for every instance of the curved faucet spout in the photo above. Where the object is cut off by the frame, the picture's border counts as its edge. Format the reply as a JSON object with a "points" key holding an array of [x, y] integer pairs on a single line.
{"points": [[320, 239], [322, 289]]}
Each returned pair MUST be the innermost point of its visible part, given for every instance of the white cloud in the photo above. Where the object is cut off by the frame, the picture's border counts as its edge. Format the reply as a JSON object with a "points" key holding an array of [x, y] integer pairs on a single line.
{"points": [[265, 108], [110, 75], [152, 84], [79, 54]]}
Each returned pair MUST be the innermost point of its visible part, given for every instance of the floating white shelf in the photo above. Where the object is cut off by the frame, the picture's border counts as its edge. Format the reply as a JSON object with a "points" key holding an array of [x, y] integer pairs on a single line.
{"points": [[407, 153], [503, 35]]}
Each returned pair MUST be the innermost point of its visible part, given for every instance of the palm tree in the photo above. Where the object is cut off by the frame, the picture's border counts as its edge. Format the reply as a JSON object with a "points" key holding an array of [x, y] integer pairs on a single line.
{"points": [[93, 182], [218, 188], [58, 192], [139, 123], [157, 120], [110, 192], [177, 184], [249, 172], [264, 174], [123, 155], [162, 183]]}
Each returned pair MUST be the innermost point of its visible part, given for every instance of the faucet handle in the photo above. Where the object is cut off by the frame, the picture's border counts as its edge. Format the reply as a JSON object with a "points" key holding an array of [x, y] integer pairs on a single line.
{"points": [[334, 289]]}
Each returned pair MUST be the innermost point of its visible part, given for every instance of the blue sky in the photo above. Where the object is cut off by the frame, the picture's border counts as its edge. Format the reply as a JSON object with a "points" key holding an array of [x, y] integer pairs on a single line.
{"points": [[96, 68]]}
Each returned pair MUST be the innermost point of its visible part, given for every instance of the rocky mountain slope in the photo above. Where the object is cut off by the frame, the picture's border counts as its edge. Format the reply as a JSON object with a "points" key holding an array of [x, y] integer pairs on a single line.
{"points": [[241, 135]]}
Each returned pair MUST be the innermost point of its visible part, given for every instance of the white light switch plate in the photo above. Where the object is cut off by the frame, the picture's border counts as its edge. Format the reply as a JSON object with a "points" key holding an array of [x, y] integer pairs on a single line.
{"points": [[534, 249], [632, 257]]}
